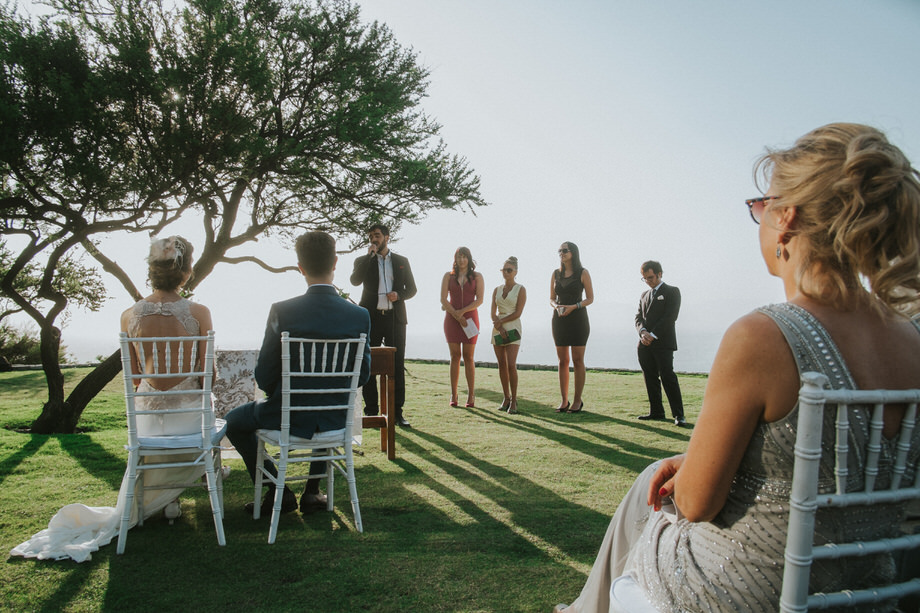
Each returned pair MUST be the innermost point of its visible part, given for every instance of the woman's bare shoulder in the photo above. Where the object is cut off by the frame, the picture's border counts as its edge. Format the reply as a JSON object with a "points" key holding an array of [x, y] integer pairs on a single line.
{"points": [[198, 310], [752, 342]]}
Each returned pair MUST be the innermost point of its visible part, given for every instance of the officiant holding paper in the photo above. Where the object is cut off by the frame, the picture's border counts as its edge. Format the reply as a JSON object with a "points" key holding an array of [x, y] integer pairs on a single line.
{"points": [[461, 294]]}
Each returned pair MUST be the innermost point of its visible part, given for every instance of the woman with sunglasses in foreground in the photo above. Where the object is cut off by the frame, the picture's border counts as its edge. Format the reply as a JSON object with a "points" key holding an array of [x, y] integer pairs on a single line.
{"points": [[706, 530], [508, 302], [570, 322]]}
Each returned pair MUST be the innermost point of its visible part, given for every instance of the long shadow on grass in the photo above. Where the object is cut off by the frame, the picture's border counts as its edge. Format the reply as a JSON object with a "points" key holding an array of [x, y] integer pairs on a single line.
{"points": [[588, 416], [71, 585], [619, 451], [533, 507], [411, 550], [9, 463], [94, 458]]}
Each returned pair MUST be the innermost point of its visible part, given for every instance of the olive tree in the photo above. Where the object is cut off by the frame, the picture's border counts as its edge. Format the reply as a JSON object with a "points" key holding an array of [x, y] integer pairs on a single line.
{"points": [[258, 118]]}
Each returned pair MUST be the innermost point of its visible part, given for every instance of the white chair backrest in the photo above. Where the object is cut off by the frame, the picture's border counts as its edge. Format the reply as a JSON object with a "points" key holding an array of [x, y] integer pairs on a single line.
{"points": [[179, 358], [330, 367], [805, 499]]}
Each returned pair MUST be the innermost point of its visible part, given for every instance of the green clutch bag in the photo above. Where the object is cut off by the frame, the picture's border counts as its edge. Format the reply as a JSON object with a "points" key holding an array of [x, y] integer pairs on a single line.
{"points": [[513, 335]]}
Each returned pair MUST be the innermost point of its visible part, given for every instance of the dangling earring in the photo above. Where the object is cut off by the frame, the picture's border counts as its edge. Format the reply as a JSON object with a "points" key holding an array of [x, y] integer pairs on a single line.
{"points": [[779, 250]]}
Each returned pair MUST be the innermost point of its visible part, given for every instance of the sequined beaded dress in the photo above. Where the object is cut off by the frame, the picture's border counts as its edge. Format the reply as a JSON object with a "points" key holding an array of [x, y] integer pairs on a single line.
{"points": [[735, 562]]}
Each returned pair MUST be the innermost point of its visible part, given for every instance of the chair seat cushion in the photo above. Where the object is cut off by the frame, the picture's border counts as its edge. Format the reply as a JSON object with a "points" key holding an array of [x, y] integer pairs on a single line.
{"points": [[184, 441], [329, 437], [627, 597]]}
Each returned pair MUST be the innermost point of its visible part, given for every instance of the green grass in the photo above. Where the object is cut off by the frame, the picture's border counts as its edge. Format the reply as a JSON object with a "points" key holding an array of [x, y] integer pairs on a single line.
{"points": [[481, 511]]}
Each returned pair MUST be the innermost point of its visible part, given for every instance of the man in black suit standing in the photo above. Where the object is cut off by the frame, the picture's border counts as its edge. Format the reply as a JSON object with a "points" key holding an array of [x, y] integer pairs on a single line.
{"points": [[658, 309], [388, 283], [319, 313]]}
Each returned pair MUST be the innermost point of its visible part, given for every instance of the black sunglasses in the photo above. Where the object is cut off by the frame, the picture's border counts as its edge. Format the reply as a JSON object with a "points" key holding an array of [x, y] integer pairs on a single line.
{"points": [[509, 270], [563, 251], [756, 206]]}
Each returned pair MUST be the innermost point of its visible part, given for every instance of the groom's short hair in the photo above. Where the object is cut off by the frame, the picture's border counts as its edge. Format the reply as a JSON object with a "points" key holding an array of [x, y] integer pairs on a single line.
{"points": [[315, 253]]}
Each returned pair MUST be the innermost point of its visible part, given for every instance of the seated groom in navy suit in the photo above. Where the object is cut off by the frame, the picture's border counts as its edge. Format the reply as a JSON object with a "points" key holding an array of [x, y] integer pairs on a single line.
{"points": [[319, 313]]}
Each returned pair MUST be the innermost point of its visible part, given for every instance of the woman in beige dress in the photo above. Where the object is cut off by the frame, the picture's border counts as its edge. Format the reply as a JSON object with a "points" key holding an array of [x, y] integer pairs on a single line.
{"points": [[508, 302]]}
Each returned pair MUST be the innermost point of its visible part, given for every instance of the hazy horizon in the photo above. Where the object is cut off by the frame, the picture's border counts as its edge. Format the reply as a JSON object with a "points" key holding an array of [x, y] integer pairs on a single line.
{"points": [[628, 128]]}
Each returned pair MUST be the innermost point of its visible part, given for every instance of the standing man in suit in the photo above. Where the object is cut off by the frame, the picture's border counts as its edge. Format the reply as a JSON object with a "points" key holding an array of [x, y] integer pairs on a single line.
{"points": [[658, 309], [319, 313], [388, 283]]}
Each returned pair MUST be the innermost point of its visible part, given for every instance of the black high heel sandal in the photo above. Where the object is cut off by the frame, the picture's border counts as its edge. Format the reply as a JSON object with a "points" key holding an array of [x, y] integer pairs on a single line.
{"points": [[578, 410], [564, 409]]}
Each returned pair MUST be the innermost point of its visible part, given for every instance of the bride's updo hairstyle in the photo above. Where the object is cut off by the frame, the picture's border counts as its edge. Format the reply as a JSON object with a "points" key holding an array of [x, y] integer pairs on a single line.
{"points": [[857, 202], [170, 260]]}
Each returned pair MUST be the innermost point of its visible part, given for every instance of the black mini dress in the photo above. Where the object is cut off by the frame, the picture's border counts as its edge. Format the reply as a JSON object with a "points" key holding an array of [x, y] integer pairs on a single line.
{"points": [[573, 329]]}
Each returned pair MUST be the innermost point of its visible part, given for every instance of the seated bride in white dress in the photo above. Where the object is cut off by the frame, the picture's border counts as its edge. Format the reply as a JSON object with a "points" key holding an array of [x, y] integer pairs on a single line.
{"points": [[77, 530]]}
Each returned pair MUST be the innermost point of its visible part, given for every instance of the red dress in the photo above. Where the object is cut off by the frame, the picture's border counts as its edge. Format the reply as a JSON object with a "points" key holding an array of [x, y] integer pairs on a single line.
{"points": [[460, 297]]}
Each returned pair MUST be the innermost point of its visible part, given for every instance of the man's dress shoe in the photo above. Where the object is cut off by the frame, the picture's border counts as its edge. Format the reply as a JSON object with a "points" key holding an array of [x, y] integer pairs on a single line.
{"points": [[651, 417], [312, 502], [288, 502], [680, 422], [402, 423]]}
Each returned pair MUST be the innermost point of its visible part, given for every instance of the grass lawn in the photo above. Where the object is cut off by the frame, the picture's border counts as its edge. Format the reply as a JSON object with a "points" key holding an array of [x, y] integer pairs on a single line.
{"points": [[481, 511]]}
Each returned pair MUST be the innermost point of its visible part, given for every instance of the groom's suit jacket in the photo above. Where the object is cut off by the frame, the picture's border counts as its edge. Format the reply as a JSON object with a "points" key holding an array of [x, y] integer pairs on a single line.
{"points": [[319, 313], [658, 315], [367, 271]]}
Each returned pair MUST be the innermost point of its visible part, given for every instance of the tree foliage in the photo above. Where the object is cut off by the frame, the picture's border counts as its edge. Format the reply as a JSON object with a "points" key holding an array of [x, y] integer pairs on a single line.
{"points": [[257, 117], [21, 345]]}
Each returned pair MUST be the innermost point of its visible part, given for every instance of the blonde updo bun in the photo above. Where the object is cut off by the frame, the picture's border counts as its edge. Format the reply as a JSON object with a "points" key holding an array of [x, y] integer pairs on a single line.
{"points": [[513, 261], [857, 202], [169, 262]]}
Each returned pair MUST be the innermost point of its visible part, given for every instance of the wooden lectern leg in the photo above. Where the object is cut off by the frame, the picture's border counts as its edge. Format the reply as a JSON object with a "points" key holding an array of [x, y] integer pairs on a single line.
{"points": [[385, 411], [391, 420]]}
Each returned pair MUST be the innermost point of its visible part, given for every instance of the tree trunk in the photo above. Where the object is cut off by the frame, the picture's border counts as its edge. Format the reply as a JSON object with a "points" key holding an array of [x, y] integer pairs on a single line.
{"points": [[93, 383], [56, 415], [61, 416]]}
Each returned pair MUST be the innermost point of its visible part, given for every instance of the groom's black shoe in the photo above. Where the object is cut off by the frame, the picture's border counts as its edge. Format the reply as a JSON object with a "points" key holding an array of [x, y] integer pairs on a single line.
{"points": [[651, 417], [310, 502], [288, 502]]}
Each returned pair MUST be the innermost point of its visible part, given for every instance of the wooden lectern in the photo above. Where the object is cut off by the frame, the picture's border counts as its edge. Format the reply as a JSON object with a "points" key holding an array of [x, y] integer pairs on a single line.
{"points": [[383, 364]]}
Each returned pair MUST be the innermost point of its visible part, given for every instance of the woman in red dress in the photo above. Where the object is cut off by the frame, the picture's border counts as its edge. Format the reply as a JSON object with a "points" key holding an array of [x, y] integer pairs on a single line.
{"points": [[461, 294]]}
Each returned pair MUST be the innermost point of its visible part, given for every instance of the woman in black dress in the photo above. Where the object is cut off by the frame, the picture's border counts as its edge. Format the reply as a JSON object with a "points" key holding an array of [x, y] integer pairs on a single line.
{"points": [[570, 292]]}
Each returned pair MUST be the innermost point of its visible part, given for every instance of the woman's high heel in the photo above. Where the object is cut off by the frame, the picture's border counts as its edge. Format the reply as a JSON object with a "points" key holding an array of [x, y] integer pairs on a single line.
{"points": [[564, 409], [581, 405]]}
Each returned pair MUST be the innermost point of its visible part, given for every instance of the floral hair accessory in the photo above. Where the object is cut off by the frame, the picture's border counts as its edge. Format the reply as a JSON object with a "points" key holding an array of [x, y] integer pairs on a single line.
{"points": [[167, 249]]}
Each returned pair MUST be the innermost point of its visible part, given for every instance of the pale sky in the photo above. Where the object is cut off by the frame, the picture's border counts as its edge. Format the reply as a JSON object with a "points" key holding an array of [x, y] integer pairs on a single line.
{"points": [[629, 128]]}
